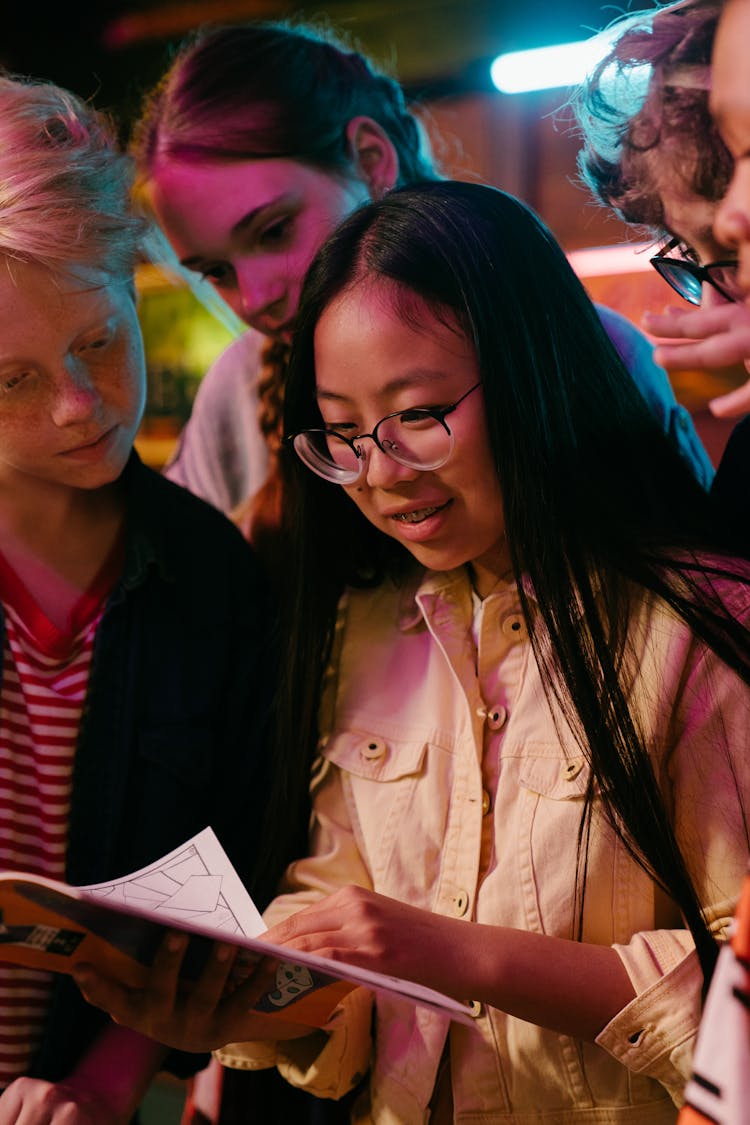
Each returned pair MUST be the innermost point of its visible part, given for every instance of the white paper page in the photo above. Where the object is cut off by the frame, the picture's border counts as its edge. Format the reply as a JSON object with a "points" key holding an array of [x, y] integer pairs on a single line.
{"points": [[195, 884]]}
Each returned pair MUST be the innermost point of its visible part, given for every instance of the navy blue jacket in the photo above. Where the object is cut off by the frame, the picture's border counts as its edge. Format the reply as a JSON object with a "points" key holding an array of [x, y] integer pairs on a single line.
{"points": [[174, 730]]}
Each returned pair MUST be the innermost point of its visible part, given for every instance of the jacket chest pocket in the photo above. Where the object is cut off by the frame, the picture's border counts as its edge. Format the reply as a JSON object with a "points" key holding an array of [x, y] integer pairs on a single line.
{"points": [[618, 895], [387, 784], [552, 792]]}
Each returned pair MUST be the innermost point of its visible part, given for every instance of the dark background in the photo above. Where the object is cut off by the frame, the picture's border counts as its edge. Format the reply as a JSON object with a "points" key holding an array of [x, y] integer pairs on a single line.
{"points": [[112, 50]]}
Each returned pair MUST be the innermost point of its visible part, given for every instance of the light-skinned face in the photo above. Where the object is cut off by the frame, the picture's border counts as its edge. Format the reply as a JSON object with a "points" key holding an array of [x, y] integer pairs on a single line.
{"points": [[690, 218], [251, 227], [72, 378], [369, 363], [730, 105]]}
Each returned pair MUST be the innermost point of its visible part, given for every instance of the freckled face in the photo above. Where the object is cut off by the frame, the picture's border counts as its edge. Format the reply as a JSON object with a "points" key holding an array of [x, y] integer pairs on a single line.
{"points": [[72, 377], [370, 363], [251, 227], [730, 105]]}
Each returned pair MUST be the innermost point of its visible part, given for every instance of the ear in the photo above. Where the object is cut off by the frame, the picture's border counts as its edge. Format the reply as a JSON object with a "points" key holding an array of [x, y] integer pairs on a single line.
{"points": [[373, 154]]}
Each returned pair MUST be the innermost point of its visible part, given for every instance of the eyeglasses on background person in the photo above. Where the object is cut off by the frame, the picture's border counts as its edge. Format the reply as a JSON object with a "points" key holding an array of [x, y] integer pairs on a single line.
{"points": [[687, 278], [418, 439]]}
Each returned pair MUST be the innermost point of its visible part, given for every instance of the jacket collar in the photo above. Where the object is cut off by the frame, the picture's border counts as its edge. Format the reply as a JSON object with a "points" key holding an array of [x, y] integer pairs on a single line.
{"points": [[453, 585], [146, 544]]}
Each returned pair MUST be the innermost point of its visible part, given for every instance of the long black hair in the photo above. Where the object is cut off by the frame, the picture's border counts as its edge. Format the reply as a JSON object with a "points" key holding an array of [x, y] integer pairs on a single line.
{"points": [[598, 503]]}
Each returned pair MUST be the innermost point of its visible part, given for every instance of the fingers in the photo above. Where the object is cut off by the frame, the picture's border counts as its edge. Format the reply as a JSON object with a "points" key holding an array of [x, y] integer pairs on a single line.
{"points": [[707, 338], [205, 996], [711, 353], [146, 1010], [733, 404], [104, 993], [677, 323], [189, 1016]]}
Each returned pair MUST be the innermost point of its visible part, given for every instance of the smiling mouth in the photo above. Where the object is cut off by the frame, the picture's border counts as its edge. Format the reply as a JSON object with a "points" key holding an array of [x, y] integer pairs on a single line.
{"points": [[418, 515], [91, 444]]}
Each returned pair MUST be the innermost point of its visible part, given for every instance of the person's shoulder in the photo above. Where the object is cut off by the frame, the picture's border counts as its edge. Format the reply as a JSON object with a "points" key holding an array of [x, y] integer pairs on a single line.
{"points": [[180, 511], [629, 340], [232, 367], [716, 579]]}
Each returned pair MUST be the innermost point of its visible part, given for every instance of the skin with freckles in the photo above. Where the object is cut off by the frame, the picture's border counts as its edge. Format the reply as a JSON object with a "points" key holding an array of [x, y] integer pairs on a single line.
{"points": [[72, 391], [72, 379]]}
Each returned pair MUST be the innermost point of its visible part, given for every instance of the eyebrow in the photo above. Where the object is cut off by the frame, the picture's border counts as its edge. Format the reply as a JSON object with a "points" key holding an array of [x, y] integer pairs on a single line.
{"points": [[703, 234], [420, 377], [242, 224]]}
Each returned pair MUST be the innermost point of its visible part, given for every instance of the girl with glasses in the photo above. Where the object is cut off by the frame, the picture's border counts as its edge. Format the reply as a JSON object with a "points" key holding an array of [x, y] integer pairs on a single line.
{"points": [[517, 650], [246, 174]]}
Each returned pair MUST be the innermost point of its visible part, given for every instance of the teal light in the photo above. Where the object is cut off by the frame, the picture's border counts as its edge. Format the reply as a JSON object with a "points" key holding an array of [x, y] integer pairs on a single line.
{"points": [[544, 68]]}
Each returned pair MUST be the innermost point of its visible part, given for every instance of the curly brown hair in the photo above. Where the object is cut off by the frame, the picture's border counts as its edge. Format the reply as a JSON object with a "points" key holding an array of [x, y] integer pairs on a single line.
{"points": [[641, 127]]}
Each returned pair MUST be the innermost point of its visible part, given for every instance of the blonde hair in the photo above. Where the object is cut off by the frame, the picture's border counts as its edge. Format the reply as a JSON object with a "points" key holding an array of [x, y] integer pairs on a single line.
{"points": [[65, 184]]}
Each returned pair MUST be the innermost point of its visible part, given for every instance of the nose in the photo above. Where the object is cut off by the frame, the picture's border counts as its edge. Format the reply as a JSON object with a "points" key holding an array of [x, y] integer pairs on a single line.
{"points": [[732, 223], [382, 471], [261, 297], [77, 398]]}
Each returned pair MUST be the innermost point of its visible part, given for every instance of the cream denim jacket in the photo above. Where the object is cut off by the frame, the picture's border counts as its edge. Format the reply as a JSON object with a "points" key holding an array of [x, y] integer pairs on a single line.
{"points": [[444, 782]]}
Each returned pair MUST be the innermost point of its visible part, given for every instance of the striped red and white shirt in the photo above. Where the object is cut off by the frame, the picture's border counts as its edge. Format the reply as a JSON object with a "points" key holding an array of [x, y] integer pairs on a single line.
{"points": [[44, 680]]}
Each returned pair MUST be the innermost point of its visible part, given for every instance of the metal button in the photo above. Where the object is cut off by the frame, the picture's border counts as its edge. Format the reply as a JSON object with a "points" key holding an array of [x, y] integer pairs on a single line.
{"points": [[496, 717], [514, 627], [476, 1009], [373, 749], [460, 904], [486, 802]]}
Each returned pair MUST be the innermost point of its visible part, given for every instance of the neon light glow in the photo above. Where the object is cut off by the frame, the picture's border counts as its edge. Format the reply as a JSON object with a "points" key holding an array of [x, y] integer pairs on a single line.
{"points": [[543, 68]]}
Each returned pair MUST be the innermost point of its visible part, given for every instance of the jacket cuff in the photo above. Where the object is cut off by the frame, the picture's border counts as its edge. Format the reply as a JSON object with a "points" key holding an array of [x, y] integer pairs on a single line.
{"points": [[328, 1063], [655, 1033]]}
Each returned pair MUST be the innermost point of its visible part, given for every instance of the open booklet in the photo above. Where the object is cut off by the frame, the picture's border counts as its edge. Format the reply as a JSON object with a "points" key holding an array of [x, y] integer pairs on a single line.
{"points": [[118, 926]]}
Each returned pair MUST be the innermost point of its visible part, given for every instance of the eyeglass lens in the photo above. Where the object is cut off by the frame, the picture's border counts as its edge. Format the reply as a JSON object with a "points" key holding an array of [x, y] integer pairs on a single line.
{"points": [[686, 278], [413, 439]]}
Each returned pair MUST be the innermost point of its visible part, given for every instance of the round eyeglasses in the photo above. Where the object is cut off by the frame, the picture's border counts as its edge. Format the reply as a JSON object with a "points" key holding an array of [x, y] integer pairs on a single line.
{"points": [[418, 439], [687, 278]]}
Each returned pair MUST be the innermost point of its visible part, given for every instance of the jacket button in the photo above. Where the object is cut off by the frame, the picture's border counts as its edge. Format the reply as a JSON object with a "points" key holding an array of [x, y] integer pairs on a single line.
{"points": [[496, 717], [476, 1009], [514, 627], [571, 770], [373, 749], [460, 904], [486, 802]]}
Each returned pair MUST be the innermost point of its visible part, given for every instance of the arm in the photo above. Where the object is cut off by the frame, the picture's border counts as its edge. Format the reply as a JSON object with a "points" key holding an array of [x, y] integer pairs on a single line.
{"points": [[105, 1088], [714, 337], [566, 986]]}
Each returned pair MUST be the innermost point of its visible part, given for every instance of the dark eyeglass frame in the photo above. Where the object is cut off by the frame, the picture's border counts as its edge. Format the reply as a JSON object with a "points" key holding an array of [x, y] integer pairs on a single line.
{"points": [[438, 413], [663, 264]]}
